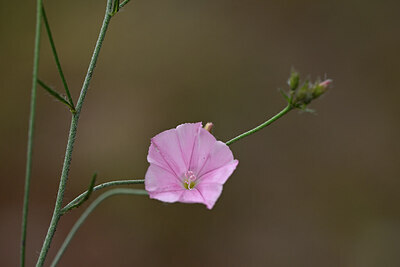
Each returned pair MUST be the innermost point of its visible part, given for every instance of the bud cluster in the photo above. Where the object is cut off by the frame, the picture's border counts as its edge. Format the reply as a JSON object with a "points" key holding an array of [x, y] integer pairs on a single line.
{"points": [[301, 96]]}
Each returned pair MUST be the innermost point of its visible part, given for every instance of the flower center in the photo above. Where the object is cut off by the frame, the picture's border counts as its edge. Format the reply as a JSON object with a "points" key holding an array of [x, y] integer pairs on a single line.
{"points": [[189, 180]]}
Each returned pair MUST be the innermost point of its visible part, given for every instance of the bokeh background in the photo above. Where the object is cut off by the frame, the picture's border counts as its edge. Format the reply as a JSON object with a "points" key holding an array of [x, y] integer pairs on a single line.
{"points": [[310, 190]]}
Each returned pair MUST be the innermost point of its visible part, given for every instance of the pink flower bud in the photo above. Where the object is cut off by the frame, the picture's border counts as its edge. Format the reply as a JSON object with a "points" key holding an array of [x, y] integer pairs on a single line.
{"points": [[208, 126], [326, 83]]}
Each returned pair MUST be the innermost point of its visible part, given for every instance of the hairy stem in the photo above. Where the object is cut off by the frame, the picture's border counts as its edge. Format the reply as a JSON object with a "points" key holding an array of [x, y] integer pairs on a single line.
{"points": [[31, 131], [95, 203], [259, 127], [98, 187], [71, 139]]}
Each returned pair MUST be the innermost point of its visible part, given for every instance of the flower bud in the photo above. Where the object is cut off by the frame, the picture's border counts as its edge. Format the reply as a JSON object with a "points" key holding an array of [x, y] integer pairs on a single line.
{"points": [[294, 80], [208, 126], [302, 95], [321, 88]]}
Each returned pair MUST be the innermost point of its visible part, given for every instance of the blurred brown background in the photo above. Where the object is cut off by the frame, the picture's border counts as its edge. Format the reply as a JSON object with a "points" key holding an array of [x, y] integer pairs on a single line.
{"points": [[309, 190]]}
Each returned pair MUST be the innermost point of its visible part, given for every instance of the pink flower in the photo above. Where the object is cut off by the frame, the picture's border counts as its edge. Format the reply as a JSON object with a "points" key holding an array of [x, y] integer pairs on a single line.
{"points": [[189, 165]]}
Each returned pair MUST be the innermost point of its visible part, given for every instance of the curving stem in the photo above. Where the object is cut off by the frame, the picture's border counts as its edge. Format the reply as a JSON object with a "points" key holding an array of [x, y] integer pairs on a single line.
{"points": [[71, 205], [93, 205], [288, 108]]}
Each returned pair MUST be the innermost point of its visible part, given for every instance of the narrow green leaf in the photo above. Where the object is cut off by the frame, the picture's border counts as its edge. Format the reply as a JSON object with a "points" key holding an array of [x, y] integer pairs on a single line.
{"points": [[90, 189], [54, 93], [87, 195], [53, 48]]}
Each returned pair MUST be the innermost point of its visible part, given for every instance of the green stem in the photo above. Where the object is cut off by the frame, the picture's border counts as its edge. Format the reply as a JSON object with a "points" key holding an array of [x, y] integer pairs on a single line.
{"points": [[259, 127], [71, 139], [123, 3], [53, 48], [31, 131], [70, 205], [95, 203]]}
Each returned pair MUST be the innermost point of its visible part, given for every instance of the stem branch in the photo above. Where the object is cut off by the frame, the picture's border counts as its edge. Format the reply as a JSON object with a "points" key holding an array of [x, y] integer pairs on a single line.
{"points": [[95, 203], [123, 3], [70, 205]]}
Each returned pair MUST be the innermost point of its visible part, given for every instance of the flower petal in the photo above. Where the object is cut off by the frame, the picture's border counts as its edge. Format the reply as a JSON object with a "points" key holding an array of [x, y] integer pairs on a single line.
{"points": [[219, 156], [162, 185], [154, 157], [210, 193], [219, 175], [188, 134], [191, 196], [203, 147], [167, 196], [158, 179], [167, 148]]}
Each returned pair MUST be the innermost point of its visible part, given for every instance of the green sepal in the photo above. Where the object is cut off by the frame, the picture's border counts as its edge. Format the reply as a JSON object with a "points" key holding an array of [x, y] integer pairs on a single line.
{"points": [[285, 96]]}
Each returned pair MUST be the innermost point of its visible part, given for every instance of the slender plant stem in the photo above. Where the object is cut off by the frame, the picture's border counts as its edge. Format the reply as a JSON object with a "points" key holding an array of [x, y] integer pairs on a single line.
{"points": [[95, 203], [259, 127], [71, 139], [124, 3], [31, 130], [53, 48], [98, 187]]}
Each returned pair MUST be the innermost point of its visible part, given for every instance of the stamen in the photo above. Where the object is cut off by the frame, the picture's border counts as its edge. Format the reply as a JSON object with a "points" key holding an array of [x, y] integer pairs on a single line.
{"points": [[189, 181]]}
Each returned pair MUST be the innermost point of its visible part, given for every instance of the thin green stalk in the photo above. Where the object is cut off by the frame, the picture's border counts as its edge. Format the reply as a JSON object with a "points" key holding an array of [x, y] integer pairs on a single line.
{"points": [[54, 93], [70, 205], [123, 3], [31, 131], [53, 48], [71, 138], [259, 127], [81, 220]]}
